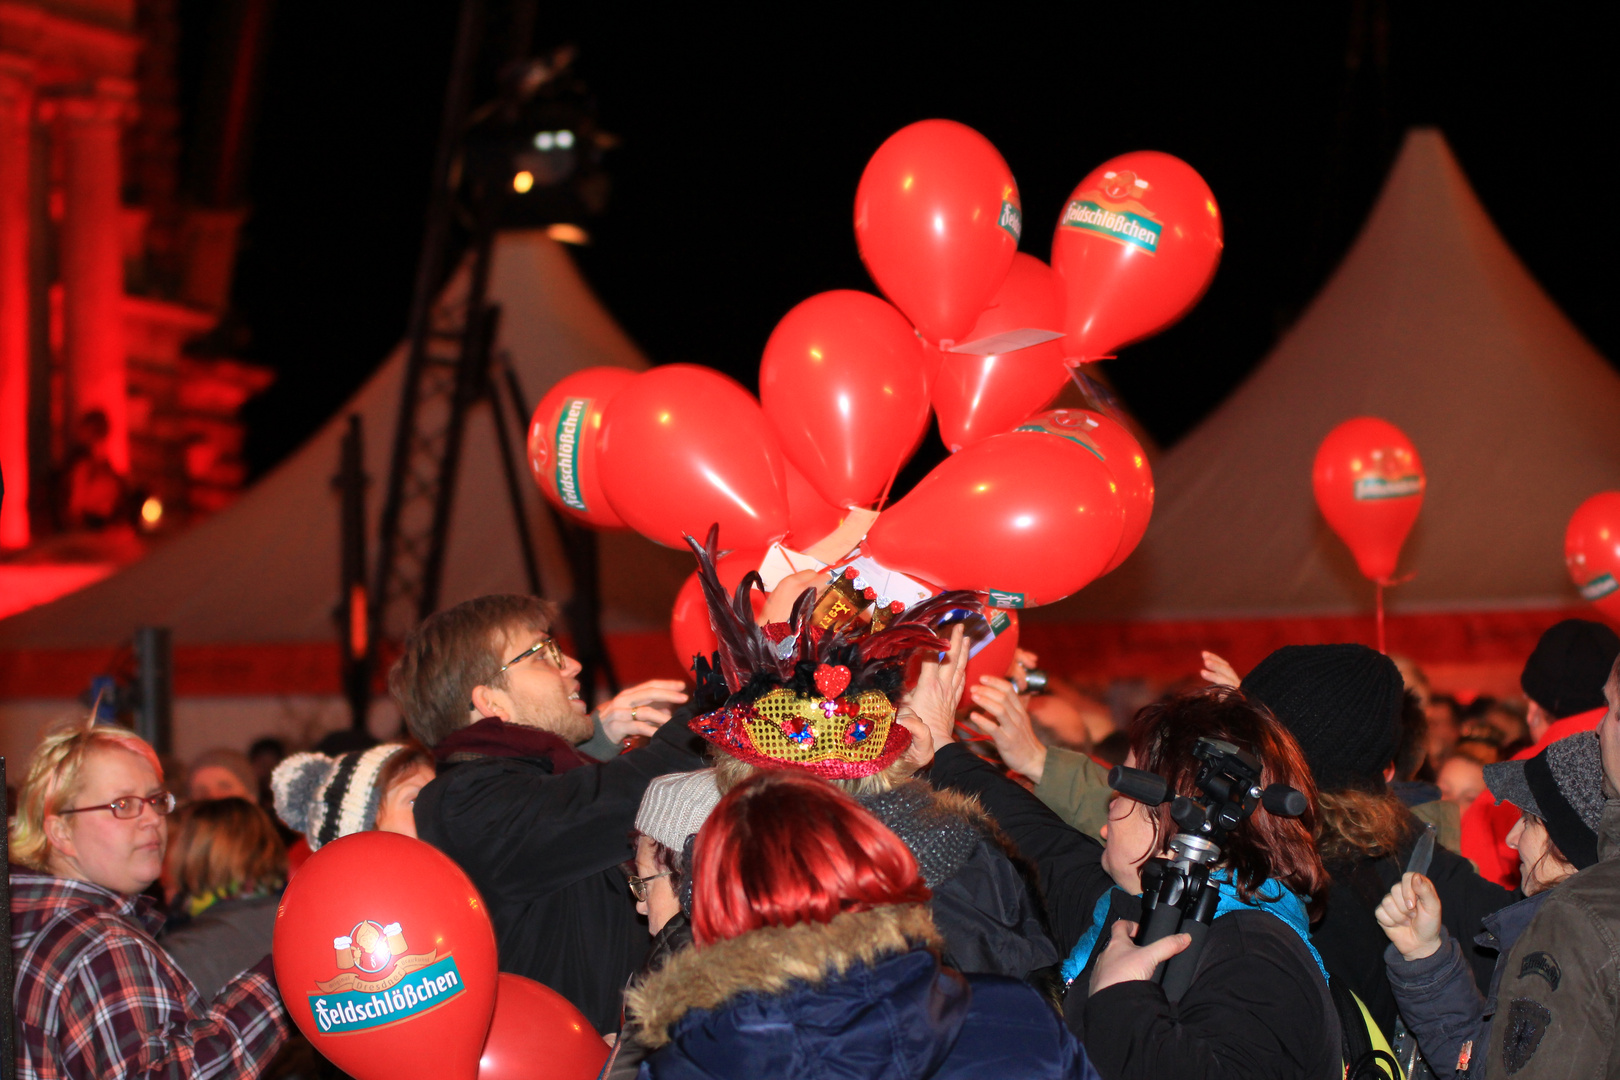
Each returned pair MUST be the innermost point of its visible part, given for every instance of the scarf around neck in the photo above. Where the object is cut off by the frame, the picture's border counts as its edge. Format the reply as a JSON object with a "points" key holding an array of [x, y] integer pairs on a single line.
{"points": [[1286, 905], [494, 737]]}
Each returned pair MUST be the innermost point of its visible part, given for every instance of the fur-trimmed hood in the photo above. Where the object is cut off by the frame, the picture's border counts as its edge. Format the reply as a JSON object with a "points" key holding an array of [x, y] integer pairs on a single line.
{"points": [[773, 961]]}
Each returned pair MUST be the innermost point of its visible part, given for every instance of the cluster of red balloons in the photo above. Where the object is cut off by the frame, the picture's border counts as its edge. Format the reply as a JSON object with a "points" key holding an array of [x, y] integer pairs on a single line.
{"points": [[1030, 507], [385, 958], [1592, 551]]}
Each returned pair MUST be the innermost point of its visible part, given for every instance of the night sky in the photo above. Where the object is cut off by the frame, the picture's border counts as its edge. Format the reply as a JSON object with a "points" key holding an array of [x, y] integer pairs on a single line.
{"points": [[743, 141]]}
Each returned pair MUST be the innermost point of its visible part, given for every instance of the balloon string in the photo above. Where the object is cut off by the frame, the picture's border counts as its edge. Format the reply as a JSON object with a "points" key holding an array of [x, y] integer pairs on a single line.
{"points": [[1096, 394], [1380, 590]]}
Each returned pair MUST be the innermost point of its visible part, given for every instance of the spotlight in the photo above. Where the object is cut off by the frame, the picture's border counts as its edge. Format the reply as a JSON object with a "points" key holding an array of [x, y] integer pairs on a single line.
{"points": [[565, 139], [565, 233], [151, 512], [522, 182], [545, 141]]}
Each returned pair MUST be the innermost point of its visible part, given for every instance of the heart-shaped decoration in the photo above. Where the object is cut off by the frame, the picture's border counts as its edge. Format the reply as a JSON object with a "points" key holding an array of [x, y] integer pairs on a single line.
{"points": [[832, 680]]}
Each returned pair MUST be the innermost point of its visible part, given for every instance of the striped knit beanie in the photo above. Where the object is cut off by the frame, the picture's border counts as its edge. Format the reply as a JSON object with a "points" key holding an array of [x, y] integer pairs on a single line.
{"points": [[327, 797]]}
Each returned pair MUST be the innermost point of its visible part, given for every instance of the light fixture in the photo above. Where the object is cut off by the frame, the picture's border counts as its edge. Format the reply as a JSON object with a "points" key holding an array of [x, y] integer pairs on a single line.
{"points": [[522, 182], [565, 233], [151, 512]]}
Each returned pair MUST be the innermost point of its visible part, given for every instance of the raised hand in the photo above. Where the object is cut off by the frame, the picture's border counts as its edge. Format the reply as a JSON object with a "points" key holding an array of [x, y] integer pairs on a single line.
{"points": [[1410, 916], [1004, 717], [641, 709], [1217, 672], [932, 702]]}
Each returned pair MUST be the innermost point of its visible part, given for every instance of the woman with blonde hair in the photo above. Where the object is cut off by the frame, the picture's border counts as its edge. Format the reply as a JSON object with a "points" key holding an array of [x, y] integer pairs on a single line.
{"points": [[228, 866], [96, 996]]}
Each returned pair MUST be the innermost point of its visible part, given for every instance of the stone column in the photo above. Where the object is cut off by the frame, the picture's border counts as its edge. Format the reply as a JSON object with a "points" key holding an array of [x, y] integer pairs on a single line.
{"points": [[92, 257], [16, 107]]}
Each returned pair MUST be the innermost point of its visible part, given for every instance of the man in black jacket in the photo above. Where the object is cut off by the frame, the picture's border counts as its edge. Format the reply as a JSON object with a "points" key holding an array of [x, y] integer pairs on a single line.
{"points": [[540, 829]]}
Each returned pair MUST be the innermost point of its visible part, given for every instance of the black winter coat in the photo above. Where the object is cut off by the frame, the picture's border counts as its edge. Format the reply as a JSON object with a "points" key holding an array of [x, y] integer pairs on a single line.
{"points": [[544, 849], [1257, 1007], [1352, 943]]}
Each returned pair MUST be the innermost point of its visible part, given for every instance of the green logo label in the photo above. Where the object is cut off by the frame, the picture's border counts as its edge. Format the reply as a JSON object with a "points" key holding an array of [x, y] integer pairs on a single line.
{"points": [[1388, 487], [999, 621], [1011, 219], [1123, 226], [356, 1010], [1599, 587], [1072, 435], [1006, 600], [567, 441]]}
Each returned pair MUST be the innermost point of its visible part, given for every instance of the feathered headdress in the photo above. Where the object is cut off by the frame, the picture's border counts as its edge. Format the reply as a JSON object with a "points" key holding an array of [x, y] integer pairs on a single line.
{"points": [[822, 701]]}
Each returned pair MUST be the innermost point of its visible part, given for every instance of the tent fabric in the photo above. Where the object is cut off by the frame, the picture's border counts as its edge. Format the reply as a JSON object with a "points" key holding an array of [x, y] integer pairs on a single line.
{"points": [[266, 569], [1433, 324]]}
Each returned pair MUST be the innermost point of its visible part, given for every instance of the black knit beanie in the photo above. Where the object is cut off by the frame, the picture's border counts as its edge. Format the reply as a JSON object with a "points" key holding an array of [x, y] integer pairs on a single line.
{"points": [[1341, 702], [1571, 662]]}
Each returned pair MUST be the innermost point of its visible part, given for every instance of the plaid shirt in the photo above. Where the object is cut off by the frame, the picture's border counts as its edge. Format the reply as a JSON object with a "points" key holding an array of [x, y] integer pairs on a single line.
{"points": [[99, 999]]}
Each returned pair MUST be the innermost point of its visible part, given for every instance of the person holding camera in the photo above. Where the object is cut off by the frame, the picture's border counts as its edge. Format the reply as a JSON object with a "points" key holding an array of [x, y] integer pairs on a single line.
{"points": [[1258, 1003]]}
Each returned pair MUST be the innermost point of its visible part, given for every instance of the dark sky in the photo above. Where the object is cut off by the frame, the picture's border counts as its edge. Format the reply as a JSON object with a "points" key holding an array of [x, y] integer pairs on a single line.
{"points": [[743, 141]]}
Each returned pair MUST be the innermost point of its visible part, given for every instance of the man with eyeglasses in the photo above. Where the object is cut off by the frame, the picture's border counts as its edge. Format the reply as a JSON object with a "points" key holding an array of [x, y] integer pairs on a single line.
{"points": [[540, 827]]}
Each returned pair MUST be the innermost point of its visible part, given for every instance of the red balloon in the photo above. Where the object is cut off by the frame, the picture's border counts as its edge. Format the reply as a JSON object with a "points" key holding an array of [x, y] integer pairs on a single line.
{"points": [[385, 958], [689, 629], [562, 443], [1026, 516], [996, 657], [1369, 486], [810, 517], [937, 220], [978, 396], [683, 447], [1127, 464], [1136, 246], [843, 383], [537, 1034], [1592, 551]]}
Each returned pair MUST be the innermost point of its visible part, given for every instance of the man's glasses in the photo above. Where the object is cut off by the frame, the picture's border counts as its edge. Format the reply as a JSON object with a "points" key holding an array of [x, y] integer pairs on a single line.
{"points": [[545, 645], [130, 806], [638, 885]]}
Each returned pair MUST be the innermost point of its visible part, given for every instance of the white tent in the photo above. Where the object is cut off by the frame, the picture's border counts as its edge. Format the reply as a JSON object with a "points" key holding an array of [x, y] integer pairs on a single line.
{"points": [[264, 572], [1433, 324]]}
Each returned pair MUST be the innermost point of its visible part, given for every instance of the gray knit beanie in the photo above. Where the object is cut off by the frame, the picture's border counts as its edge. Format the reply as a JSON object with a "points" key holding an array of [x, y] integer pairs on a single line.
{"points": [[327, 797], [676, 806], [1563, 786]]}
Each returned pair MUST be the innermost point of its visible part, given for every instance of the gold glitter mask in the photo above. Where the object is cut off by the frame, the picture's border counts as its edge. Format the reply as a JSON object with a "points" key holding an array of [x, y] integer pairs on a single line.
{"points": [[843, 737]]}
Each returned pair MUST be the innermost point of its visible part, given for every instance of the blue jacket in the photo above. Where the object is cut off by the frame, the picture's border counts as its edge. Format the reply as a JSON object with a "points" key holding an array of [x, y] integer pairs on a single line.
{"points": [[855, 998], [1439, 999]]}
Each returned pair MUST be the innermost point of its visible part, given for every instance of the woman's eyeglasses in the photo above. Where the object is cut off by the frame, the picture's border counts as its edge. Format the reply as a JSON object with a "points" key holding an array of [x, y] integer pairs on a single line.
{"points": [[130, 806], [638, 885], [545, 645]]}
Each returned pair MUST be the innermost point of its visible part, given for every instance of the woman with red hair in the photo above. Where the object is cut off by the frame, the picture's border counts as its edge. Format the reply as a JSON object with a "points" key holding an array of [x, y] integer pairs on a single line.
{"points": [[816, 956]]}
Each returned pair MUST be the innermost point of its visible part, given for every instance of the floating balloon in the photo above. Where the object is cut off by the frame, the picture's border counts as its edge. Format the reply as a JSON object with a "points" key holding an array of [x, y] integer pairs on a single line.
{"points": [[979, 396], [1592, 551], [937, 220], [1027, 517], [997, 655], [385, 958], [1136, 246], [1126, 461], [843, 383], [683, 447], [810, 517], [689, 629], [1369, 485], [562, 443], [537, 1034]]}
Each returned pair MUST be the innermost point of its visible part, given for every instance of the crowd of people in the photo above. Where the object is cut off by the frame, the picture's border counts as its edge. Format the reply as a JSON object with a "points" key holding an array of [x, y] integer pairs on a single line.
{"points": [[832, 857]]}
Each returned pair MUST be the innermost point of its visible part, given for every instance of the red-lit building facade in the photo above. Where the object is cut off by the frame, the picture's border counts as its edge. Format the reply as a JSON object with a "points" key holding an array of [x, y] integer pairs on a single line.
{"points": [[114, 278]]}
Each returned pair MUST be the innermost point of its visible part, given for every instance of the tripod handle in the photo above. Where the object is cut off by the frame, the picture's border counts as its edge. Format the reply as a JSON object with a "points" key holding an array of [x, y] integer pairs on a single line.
{"points": [[1162, 921], [1177, 975]]}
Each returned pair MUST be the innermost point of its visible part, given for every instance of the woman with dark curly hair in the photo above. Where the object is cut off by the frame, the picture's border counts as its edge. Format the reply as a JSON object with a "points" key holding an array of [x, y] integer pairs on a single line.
{"points": [[1258, 1004]]}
